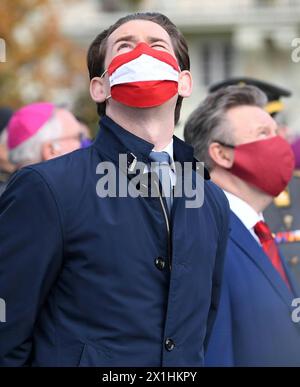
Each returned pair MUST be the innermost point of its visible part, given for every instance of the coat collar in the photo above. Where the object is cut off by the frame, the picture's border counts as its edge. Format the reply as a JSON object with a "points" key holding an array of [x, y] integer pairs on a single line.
{"points": [[113, 140], [242, 237]]}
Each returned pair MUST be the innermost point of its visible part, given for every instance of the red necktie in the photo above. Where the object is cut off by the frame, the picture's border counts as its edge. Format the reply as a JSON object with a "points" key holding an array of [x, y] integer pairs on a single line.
{"points": [[269, 246]]}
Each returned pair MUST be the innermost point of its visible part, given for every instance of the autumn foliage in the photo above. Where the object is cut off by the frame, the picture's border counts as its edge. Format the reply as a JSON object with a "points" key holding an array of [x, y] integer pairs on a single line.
{"points": [[40, 61]]}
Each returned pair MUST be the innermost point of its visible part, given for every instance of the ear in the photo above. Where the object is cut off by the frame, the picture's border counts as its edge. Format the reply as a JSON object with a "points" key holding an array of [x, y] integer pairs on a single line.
{"points": [[185, 84], [98, 89], [49, 151], [221, 155]]}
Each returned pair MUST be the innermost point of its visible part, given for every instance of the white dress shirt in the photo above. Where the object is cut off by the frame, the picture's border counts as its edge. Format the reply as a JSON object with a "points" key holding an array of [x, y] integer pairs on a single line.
{"points": [[246, 214]]}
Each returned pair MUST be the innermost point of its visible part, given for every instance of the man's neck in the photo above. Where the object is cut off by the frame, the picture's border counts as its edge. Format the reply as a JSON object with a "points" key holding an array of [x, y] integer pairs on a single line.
{"points": [[258, 200], [152, 124]]}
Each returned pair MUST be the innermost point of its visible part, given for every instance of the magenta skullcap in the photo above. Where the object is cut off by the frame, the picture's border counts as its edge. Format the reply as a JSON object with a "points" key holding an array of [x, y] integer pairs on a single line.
{"points": [[26, 121]]}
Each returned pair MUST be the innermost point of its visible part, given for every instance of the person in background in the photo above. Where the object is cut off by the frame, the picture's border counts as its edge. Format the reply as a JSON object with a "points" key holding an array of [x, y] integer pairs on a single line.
{"points": [[237, 139], [283, 213], [42, 131], [6, 168]]}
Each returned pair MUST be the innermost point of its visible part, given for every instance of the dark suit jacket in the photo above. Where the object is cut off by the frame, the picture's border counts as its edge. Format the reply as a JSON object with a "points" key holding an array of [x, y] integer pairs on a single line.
{"points": [[254, 324]]}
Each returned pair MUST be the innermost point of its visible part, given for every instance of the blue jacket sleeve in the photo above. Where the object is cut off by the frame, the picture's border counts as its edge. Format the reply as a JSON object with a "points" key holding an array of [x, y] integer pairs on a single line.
{"points": [[220, 347], [219, 265], [31, 245]]}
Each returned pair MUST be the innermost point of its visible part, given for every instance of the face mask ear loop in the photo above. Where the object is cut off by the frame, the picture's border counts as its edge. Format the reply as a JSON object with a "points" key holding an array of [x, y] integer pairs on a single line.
{"points": [[104, 72]]}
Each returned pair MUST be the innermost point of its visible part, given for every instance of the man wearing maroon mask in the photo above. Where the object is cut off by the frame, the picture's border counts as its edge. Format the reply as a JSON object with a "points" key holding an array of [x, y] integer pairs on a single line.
{"points": [[98, 276], [235, 136]]}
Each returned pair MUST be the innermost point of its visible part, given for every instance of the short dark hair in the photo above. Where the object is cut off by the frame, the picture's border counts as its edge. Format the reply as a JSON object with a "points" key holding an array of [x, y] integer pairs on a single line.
{"points": [[97, 50], [208, 122]]}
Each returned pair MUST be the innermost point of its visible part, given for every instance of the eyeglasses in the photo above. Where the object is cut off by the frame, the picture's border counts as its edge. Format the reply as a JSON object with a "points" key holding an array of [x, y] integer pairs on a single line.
{"points": [[74, 137], [224, 144], [80, 137]]}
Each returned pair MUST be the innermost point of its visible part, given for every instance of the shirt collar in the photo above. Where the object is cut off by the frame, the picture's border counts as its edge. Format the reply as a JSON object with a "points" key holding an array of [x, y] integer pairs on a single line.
{"points": [[247, 215]]}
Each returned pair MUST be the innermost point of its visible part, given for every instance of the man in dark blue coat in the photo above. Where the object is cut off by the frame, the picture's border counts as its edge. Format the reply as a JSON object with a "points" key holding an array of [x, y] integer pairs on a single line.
{"points": [[257, 322], [96, 279]]}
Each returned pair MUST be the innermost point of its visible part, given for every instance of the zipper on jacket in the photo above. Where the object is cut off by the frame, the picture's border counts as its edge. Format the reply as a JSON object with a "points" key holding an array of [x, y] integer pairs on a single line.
{"points": [[167, 224]]}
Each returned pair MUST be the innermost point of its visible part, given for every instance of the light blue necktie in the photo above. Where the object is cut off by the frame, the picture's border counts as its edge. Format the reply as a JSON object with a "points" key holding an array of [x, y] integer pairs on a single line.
{"points": [[163, 170]]}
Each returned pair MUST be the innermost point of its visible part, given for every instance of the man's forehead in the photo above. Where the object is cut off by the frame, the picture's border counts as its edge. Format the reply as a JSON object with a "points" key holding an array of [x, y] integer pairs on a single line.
{"points": [[250, 116], [249, 110], [145, 28]]}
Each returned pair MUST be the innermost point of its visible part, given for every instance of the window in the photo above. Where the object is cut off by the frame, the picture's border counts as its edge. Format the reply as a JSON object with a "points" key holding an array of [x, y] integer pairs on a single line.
{"points": [[216, 58]]}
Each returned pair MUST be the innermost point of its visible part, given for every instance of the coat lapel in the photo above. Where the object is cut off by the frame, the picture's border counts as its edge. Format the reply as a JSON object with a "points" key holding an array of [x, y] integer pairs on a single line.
{"points": [[242, 237]]}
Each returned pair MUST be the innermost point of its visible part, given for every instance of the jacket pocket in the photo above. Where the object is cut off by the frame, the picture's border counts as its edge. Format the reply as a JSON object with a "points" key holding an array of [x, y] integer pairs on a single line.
{"points": [[95, 357]]}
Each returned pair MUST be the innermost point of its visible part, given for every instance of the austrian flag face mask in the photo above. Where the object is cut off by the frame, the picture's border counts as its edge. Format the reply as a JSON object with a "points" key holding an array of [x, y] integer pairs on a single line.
{"points": [[143, 77]]}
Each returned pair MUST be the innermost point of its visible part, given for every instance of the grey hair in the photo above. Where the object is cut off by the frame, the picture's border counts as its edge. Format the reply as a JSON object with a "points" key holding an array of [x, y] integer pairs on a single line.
{"points": [[30, 150], [208, 122]]}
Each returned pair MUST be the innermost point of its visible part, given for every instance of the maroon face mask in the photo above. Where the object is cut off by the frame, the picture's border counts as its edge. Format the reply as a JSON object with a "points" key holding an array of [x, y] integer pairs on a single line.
{"points": [[266, 164]]}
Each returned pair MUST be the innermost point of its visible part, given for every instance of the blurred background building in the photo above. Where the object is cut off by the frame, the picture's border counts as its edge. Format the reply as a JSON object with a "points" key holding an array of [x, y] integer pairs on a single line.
{"points": [[226, 38]]}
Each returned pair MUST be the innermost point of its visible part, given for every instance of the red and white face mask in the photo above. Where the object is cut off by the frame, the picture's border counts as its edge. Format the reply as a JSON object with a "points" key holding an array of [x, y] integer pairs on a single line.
{"points": [[143, 77]]}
